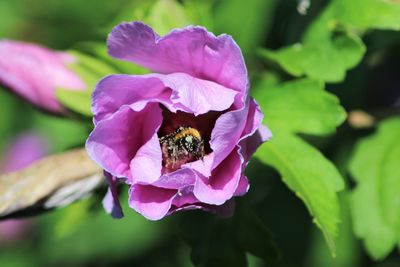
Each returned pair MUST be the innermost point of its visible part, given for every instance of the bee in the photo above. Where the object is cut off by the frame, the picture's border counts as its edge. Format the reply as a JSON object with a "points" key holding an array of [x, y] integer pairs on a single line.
{"points": [[184, 145]]}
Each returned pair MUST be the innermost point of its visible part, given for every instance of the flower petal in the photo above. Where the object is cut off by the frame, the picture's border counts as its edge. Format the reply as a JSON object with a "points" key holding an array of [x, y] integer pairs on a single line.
{"points": [[178, 179], [176, 91], [223, 182], [115, 141], [192, 50], [110, 201], [147, 164], [243, 186], [150, 201], [197, 95], [254, 133], [226, 133], [114, 91]]}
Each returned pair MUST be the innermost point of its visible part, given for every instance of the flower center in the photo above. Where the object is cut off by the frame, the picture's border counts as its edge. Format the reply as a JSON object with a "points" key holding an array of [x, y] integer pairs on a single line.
{"points": [[183, 145]]}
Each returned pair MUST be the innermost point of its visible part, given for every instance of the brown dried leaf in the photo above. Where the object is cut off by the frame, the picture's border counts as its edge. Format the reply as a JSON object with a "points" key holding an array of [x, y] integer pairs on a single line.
{"points": [[53, 181]]}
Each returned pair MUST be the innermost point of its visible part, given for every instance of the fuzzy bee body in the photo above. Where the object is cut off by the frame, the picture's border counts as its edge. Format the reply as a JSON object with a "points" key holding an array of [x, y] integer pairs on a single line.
{"points": [[184, 145]]}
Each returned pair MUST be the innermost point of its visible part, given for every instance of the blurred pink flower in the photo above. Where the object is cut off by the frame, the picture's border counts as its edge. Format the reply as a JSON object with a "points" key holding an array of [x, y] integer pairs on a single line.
{"points": [[24, 150], [34, 72]]}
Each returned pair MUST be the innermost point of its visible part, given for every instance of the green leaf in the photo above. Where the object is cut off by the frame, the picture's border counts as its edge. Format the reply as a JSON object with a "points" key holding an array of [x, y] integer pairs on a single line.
{"points": [[77, 101], [247, 23], [91, 70], [167, 14], [99, 50], [368, 14], [313, 178], [94, 65], [375, 203], [326, 60], [301, 106]]}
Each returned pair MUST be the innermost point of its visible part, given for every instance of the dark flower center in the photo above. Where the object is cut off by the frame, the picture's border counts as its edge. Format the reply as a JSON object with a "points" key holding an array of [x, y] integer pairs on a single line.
{"points": [[184, 145], [184, 137]]}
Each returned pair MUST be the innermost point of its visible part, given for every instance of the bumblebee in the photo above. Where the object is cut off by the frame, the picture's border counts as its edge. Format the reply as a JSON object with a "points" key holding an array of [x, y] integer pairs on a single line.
{"points": [[184, 145]]}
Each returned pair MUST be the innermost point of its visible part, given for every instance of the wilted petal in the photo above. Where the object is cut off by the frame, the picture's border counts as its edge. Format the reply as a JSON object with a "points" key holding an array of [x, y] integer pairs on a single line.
{"points": [[150, 201], [192, 50]]}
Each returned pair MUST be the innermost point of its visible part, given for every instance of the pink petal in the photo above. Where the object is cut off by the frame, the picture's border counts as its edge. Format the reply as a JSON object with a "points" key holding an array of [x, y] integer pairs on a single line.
{"points": [[114, 91], [226, 133], [150, 201], [177, 179], [242, 187], [115, 141], [110, 201], [147, 164], [198, 96], [254, 133], [192, 50], [34, 72], [203, 166], [176, 91], [223, 182]]}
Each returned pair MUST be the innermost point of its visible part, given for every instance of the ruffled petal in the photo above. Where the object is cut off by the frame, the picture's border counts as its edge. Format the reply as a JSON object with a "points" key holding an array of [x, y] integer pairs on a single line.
{"points": [[223, 182], [192, 50], [254, 133], [115, 141], [150, 201], [227, 132], [177, 91], [110, 201], [114, 91], [197, 95]]}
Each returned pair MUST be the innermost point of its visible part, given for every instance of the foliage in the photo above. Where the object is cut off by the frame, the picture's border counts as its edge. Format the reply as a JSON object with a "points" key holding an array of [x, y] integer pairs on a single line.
{"points": [[307, 73]]}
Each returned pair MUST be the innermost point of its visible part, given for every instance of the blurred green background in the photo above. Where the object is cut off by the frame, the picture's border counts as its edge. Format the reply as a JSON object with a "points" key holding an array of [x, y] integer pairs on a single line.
{"points": [[84, 235]]}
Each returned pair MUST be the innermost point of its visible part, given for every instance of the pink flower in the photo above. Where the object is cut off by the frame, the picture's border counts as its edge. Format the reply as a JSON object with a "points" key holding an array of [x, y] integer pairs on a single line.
{"points": [[35, 72], [23, 151], [180, 137]]}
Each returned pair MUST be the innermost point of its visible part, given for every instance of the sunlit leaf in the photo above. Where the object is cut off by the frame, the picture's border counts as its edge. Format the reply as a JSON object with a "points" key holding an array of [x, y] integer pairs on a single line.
{"points": [[78, 101], [376, 200], [248, 23], [301, 106], [326, 60], [313, 178]]}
